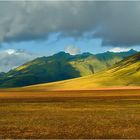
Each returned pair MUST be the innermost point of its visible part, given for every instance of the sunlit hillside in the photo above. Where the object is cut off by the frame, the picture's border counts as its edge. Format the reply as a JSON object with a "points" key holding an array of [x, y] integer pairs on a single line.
{"points": [[125, 73], [60, 66]]}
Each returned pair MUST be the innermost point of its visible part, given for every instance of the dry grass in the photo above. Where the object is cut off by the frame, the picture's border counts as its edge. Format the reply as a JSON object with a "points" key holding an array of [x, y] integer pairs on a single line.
{"points": [[71, 114]]}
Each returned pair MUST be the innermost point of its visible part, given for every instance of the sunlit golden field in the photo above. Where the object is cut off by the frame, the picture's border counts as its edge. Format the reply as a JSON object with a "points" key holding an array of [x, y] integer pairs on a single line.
{"points": [[108, 113]]}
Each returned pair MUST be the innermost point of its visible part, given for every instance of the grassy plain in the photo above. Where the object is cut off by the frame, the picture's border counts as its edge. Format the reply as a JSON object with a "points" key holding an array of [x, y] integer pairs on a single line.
{"points": [[110, 113]]}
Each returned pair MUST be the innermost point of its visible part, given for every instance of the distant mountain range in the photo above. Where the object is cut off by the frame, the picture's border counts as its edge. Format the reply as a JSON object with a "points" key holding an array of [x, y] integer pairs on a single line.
{"points": [[60, 66]]}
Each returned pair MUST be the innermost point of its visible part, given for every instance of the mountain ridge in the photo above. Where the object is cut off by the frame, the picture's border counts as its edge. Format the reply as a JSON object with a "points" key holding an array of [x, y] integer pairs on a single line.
{"points": [[126, 73], [60, 66]]}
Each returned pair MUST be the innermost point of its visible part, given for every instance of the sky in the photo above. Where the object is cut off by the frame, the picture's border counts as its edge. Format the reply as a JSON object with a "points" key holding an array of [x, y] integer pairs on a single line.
{"points": [[30, 29]]}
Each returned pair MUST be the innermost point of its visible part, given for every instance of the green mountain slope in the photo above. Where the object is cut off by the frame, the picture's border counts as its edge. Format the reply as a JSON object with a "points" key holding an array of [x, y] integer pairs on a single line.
{"points": [[60, 66], [124, 73]]}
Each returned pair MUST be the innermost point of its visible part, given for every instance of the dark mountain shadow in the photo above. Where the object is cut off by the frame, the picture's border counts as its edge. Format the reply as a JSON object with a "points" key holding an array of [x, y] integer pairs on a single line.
{"points": [[43, 75]]}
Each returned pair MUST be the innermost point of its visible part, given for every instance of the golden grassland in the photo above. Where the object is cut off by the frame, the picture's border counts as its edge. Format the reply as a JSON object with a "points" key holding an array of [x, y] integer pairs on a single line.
{"points": [[110, 113]]}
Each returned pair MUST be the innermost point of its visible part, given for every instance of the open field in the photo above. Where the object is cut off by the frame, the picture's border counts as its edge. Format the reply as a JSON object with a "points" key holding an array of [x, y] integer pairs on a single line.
{"points": [[110, 113]]}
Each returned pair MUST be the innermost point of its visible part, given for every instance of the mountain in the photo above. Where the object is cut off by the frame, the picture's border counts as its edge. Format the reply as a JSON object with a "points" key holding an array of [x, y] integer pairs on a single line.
{"points": [[60, 66], [2, 73], [124, 73]]}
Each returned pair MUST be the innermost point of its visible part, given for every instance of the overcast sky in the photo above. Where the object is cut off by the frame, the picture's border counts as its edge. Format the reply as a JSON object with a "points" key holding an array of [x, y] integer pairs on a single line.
{"points": [[32, 29]]}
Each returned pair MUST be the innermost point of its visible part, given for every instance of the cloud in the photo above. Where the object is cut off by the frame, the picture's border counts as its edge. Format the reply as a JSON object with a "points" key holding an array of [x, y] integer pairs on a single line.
{"points": [[117, 49], [72, 50], [12, 58], [117, 23], [10, 51]]}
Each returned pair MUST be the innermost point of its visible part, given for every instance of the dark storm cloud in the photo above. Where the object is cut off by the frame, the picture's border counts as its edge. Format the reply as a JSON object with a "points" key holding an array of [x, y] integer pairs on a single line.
{"points": [[116, 23]]}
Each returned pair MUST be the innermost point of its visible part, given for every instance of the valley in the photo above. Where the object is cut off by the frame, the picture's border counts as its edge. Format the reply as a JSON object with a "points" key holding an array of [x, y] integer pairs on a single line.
{"points": [[100, 105], [69, 69]]}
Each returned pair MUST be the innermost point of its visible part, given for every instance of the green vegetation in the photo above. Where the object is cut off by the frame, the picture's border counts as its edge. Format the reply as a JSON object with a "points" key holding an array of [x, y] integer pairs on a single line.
{"points": [[124, 73], [60, 66]]}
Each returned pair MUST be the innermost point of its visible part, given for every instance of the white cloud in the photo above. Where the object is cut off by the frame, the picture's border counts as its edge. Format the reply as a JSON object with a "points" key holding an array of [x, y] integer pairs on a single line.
{"points": [[118, 49], [73, 50], [11, 58], [10, 51]]}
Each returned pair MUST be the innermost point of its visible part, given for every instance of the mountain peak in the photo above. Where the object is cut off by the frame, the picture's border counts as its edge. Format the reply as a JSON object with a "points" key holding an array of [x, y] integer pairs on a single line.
{"points": [[132, 50], [62, 53]]}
